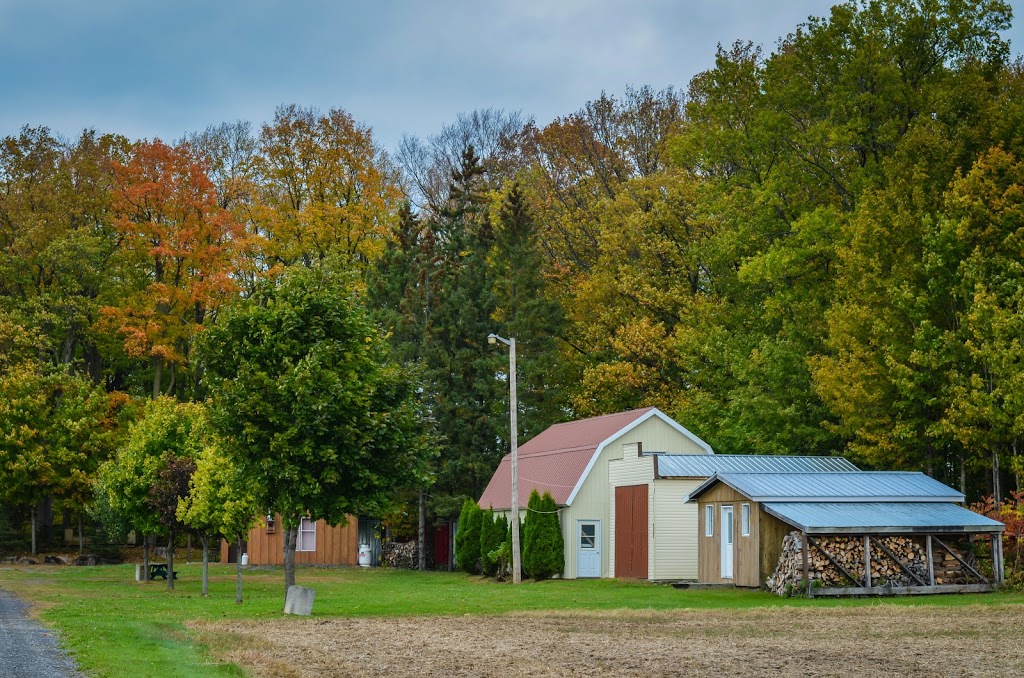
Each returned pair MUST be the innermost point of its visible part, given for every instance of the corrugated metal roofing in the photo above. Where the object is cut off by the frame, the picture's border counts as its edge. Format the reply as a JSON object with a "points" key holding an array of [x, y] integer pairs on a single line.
{"points": [[555, 459], [701, 466], [884, 486], [880, 517]]}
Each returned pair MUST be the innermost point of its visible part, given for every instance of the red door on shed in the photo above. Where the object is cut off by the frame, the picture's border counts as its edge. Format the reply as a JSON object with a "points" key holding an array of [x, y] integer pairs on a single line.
{"points": [[631, 532]]}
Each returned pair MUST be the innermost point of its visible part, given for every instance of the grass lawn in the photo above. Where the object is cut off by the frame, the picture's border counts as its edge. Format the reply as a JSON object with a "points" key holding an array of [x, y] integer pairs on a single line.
{"points": [[115, 626]]}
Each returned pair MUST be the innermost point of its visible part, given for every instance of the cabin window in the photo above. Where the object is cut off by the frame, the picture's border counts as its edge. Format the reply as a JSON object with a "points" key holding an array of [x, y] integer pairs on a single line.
{"points": [[745, 520], [271, 526], [709, 521], [307, 535]]}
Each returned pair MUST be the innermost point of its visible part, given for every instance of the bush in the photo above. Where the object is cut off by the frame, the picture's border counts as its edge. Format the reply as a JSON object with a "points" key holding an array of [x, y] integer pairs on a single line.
{"points": [[543, 549], [467, 539], [492, 535]]}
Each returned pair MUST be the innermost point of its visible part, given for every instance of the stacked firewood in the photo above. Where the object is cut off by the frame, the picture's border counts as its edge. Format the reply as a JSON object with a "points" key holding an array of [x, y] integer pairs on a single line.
{"points": [[402, 555], [847, 553]]}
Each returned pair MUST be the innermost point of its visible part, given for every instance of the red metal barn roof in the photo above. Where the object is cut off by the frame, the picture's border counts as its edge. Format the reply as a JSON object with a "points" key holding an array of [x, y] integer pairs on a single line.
{"points": [[555, 459]]}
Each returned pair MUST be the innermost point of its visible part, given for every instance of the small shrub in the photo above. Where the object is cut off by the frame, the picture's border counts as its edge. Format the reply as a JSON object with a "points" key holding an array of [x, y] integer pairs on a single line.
{"points": [[467, 539], [543, 549], [492, 536]]}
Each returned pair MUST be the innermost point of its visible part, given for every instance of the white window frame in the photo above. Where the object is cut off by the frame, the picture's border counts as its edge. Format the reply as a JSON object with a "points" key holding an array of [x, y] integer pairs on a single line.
{"points": [[709, 520], [745, 520], [307, 527]]}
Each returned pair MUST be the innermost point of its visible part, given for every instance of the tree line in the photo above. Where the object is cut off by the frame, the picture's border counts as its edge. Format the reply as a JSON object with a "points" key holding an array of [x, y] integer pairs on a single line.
{"points": [[812, 250]]}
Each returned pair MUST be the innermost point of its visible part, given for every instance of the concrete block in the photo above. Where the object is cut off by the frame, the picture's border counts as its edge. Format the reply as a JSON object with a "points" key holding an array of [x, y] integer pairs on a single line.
{"points": [[299, 600], [138, 573]]}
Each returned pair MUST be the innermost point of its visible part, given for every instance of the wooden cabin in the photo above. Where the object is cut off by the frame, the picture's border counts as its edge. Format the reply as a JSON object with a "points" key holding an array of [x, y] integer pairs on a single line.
{"points": [[864, 533], [318, 543]]}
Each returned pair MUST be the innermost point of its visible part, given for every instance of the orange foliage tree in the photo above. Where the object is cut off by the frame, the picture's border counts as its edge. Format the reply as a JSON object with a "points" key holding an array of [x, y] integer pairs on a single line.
{"points": [[175, 255]]}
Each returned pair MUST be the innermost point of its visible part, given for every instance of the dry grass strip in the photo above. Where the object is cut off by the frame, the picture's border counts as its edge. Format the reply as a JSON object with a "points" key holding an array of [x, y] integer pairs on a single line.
{"points": [[878, 640]]}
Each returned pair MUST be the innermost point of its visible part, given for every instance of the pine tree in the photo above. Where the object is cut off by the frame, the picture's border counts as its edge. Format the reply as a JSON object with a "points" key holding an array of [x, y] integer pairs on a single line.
{"points": [[525, 310], [543, 548], [467, 539], [492, 534]]}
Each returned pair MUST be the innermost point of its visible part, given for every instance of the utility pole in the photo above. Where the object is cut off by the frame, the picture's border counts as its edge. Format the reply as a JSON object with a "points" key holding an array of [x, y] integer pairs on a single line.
{"points": [[517, 566]]}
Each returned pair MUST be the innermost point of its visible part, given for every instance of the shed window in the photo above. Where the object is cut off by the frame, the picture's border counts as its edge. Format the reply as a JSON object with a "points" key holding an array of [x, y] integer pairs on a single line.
{"points": [[307, 535], [588, 536], [745, 520], [709, 521]]}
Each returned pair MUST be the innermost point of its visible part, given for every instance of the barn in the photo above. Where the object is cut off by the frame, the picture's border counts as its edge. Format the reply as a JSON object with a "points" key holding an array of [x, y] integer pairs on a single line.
{"points": [[865, 533], [621, 481]]}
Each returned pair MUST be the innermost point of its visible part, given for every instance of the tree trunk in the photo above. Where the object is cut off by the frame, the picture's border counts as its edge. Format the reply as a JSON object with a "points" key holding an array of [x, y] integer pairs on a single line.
{"points": [[422, 541], [291, 533], [238, 573], [81, 539], [34, 518], [997, 491], [170, 560], [206, 564], [145, 557], [158, 366], [188, 549], [963, 473]]}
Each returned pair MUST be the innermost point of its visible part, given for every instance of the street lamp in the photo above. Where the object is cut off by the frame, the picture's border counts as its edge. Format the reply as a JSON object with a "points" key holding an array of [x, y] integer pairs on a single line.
{"points": [[493, 339]]}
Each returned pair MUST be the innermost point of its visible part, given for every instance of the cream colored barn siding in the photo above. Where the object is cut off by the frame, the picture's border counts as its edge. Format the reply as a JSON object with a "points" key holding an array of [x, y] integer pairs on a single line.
{"points": [[596, 498], [674, 526]]}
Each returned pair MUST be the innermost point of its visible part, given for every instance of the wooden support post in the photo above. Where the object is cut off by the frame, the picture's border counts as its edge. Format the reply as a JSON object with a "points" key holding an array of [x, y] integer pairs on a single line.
{"points": [[807, 563], [997, 558], [867, 561], [931, 561]]}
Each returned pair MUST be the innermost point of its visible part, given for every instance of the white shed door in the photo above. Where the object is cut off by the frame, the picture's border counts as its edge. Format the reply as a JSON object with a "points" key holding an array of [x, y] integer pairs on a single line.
{"points": [[727, 540], [588, 548]]}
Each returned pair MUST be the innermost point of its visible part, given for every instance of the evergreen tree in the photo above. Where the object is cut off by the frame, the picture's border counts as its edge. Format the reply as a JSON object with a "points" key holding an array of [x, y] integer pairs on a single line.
{"points": [[525, 310], [467, 539], [543, 549], [492, 535]]}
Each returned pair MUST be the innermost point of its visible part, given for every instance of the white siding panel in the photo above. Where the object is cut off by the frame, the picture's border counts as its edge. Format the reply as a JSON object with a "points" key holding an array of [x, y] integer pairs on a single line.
{"points": [[674, 546]]}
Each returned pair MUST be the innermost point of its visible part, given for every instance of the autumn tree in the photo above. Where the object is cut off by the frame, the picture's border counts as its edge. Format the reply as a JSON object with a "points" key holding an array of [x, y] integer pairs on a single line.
{"points": [[324, 190], [175, 258], [308, 404]]}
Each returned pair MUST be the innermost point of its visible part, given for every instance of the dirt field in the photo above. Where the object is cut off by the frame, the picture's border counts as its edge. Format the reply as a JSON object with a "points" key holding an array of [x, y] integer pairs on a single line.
{"points": [[866, 641]]}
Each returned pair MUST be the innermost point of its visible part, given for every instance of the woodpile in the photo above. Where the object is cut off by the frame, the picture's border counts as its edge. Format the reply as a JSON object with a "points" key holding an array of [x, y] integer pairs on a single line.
{"points": [[829, 556], [403, 555]]}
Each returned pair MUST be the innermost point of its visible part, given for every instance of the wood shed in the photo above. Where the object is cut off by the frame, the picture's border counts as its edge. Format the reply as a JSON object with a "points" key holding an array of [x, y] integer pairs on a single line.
{"points": [[318, 543], [865, 533]]}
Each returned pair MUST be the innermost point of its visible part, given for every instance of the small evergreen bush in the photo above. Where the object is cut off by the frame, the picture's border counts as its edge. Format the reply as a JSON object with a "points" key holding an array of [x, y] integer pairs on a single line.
{"points": [[492, 535], [467, 539], [543, 549]]}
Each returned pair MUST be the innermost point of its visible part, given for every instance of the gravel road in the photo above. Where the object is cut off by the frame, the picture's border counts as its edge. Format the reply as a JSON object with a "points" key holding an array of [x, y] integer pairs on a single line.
{"points": [[27, 650]]}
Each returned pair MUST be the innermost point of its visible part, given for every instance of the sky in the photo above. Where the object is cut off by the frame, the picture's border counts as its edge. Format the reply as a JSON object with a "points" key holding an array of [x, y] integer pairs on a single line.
{"points": [[161, 68]]}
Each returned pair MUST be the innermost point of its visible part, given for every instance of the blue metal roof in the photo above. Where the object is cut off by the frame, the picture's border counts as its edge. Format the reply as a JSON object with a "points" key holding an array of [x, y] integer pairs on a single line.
{"points": [[704, 466], [880, 517], [862, 486]]}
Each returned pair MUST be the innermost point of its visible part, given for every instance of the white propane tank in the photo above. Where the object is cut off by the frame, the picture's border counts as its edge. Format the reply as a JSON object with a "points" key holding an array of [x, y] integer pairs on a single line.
{"points": [[364, 555], [245, 559]]}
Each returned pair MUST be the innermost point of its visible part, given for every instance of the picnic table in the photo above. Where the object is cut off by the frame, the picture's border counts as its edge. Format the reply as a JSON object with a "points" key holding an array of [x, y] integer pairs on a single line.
{"points": [[159, 570]]}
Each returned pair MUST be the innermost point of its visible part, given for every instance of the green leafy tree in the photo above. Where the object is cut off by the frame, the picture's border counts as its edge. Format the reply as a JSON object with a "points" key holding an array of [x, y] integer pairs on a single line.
{"points": [[219, 502], [467, 539], [308, 404], [168, 434], [54, 433]]}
